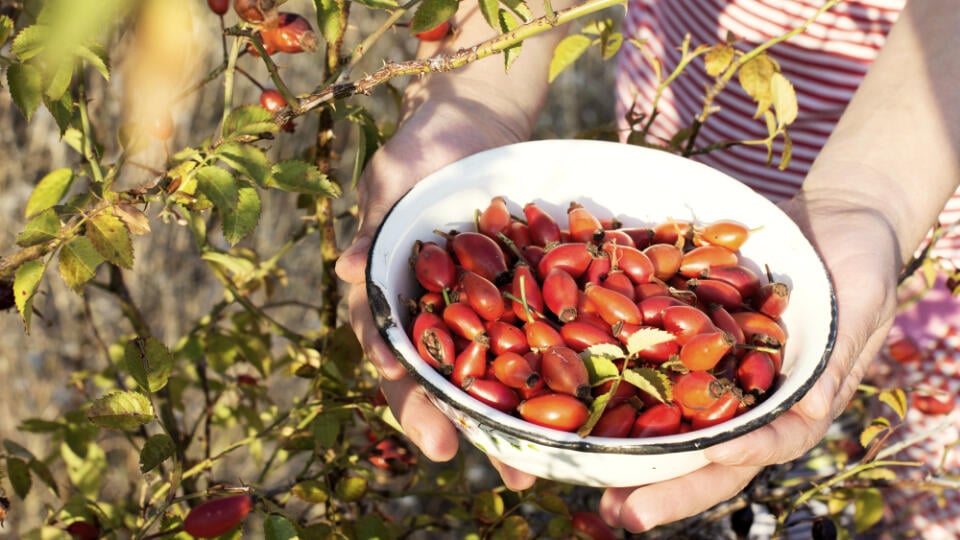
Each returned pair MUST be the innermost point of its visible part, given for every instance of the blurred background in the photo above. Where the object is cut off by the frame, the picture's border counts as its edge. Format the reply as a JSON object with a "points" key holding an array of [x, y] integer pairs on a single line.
{"points": [[168, 281]]}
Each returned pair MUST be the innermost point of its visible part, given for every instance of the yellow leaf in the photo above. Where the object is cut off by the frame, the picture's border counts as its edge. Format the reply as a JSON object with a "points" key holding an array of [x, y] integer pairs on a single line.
{"points": [[784, 99], [718, 59], [647, 337], [755, 76], [896, 399]]}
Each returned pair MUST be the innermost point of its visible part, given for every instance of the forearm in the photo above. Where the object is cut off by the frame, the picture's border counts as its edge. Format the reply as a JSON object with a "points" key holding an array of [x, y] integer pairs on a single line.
{"points": [[896, 148]]}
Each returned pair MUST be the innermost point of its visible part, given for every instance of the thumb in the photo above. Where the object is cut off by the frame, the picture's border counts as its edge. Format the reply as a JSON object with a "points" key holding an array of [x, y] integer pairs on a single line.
{"points": [[352, 263]]}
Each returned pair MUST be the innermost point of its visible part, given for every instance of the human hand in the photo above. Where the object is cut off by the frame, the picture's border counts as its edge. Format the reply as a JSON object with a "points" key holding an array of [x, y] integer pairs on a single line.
{"points": [[861, 253], [437, 134]]}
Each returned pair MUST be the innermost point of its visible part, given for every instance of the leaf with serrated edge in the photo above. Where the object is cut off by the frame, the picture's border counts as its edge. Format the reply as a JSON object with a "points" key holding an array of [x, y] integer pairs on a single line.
{"points": [[26, 87], [597, 407], [136, 221], [248, 120], [26, 281], [488, 8], [566, 53], [655, 383], [246, 159], [302, 177], [241, 221], [149, 362], [509, 23], [755, 76], [431, 13], [49, 191], [608, 350], [219, 186], [122, 410], [784, 99], [42, 228], [78, 262], [111, 238], [520, 8], [647, 337], [600, 368], [896, 399], [156, 450]]}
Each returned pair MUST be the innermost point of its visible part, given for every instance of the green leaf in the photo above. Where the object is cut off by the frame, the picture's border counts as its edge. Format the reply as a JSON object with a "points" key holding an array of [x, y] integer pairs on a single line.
{"points": [[509, 23], [247, 160], [378, 4], [597, 407], [301, 177], [111, 239], [896, 399], [242, 220], [78, 262], [656, 383], [431, 13], [86, 467], [49, 191], [26, 87], [58, 80], [610, 45], [512, 527], [487, 506], [489, 9], [61, 110], [867, 509], [566, 54], [26, 281], [326, 429], [329, 19], [19, 476], [520, 9], [277, 527], [219, 186], [30, 41], [6, 29], [156, 450], [122, 410], [600, 368], [42, 228], [248, 120], [95, 55], [351, 488], [41, 471], [311, 491], [149, 362]]}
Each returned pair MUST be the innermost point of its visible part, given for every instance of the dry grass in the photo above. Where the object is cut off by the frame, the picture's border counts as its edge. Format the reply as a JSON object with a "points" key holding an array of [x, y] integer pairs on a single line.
{"points": [[168, 281]]}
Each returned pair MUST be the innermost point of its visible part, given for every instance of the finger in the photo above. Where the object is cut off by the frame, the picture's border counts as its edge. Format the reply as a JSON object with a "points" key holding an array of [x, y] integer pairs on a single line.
{"points": [[351, 266], [514, 479], [641, 509], [422, 422], [786, 438], [361, 319]]}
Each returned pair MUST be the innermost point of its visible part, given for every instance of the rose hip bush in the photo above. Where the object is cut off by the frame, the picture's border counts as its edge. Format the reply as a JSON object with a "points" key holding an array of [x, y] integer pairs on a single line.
{"points": [[249, 423]]}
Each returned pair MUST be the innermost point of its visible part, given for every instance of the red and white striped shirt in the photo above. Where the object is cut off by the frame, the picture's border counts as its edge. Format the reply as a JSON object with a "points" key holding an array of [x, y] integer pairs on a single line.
{"points": [[825, 64]]}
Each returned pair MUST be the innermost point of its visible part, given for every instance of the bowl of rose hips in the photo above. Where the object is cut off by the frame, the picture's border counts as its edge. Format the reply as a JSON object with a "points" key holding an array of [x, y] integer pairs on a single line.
{"points": [[599, 313]]}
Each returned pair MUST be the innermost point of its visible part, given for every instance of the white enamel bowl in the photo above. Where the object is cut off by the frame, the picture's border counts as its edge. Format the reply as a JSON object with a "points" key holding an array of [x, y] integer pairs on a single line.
{"points": [[638, 186]]}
